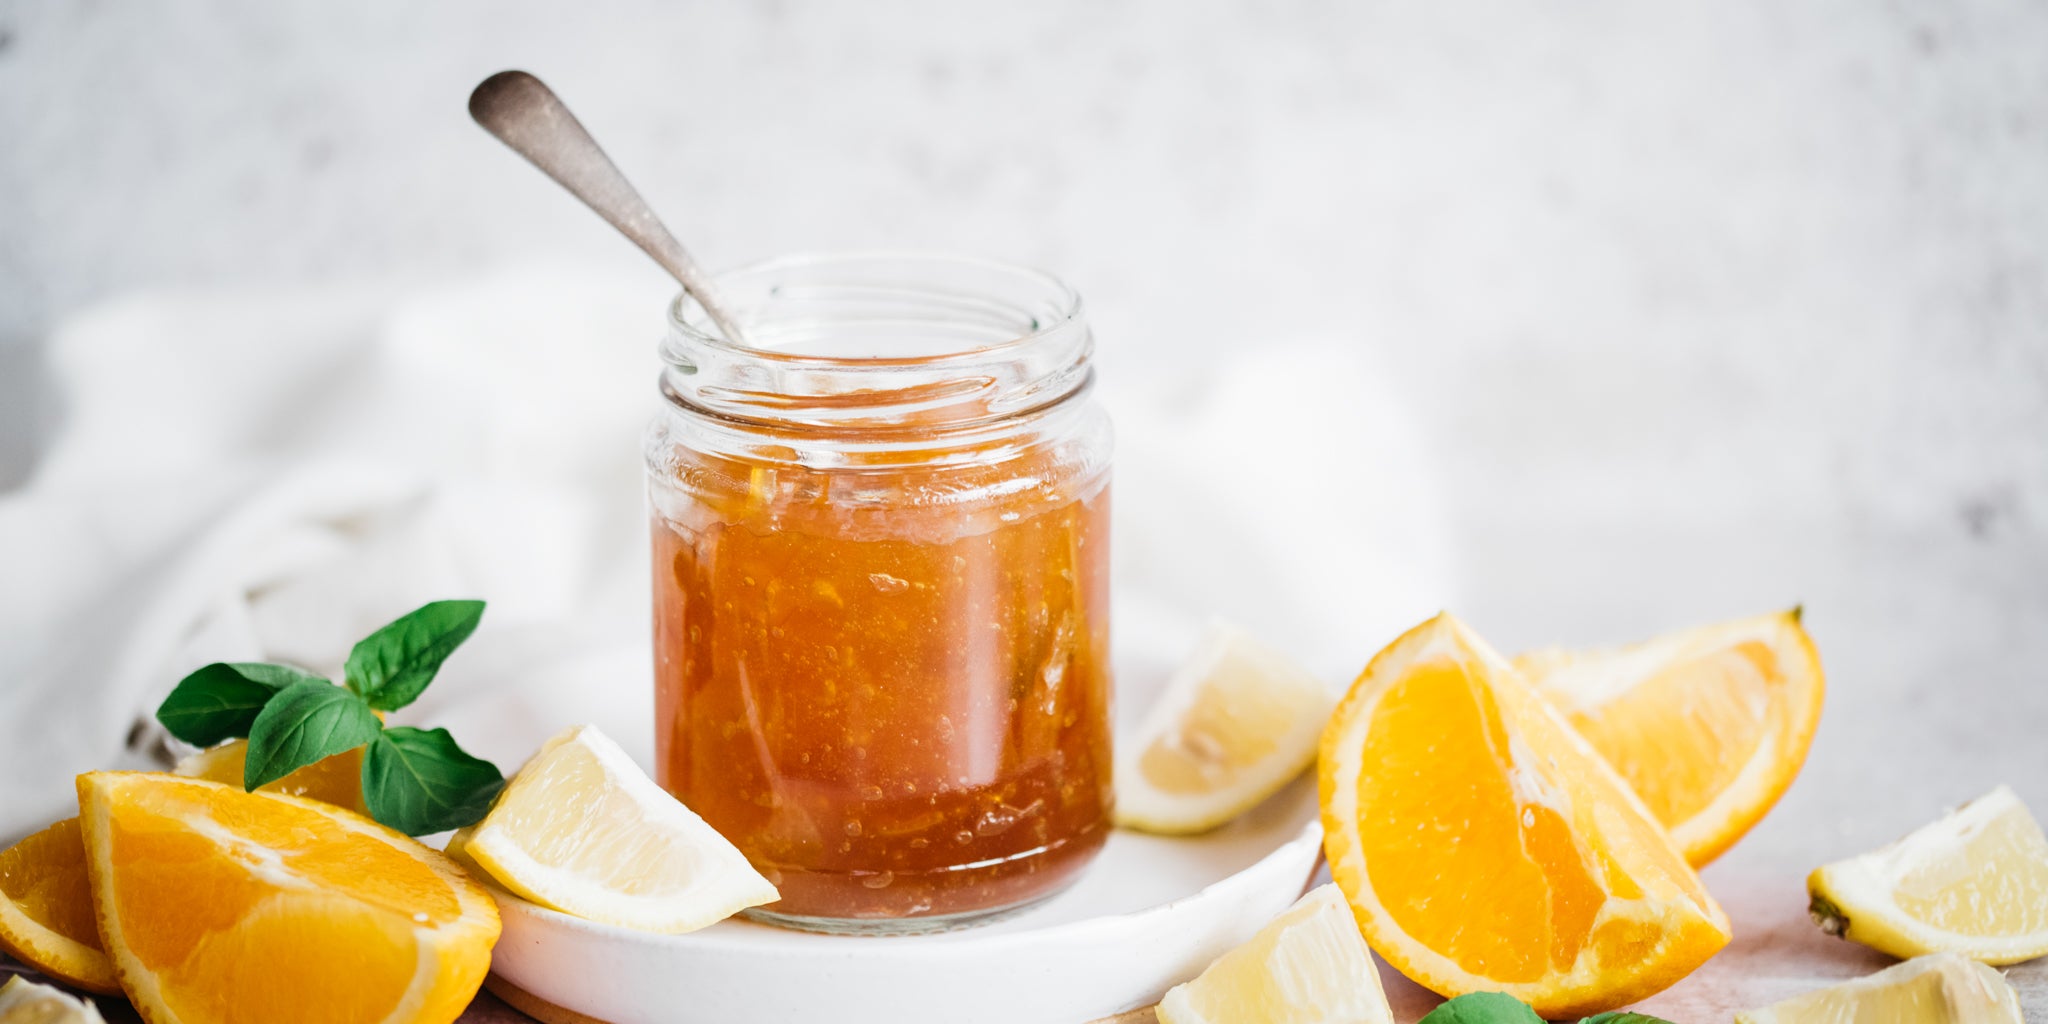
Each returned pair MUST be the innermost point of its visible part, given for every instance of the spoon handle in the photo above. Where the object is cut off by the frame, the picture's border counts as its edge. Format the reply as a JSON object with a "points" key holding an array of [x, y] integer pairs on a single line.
{"points": [[526, 115]]}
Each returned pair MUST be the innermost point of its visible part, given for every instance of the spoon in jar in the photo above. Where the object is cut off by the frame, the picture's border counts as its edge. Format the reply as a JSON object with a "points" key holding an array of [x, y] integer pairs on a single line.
{"points": [[526, 115]]}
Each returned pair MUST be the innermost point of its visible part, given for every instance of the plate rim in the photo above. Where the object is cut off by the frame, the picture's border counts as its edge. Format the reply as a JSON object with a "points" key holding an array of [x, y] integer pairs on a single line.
{"points": [[942, 943]]}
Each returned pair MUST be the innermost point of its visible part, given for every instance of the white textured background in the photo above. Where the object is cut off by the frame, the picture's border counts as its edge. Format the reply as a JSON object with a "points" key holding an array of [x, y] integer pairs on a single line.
{"points": [[1702, 308]]}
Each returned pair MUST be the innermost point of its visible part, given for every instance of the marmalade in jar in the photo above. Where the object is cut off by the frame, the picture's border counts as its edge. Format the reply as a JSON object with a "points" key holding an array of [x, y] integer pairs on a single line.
{"points": [[881, 650]]}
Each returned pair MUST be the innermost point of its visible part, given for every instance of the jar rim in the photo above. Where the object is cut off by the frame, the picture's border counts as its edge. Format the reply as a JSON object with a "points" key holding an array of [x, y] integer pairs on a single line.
{"points": [[1066, 303], [882, 341]]}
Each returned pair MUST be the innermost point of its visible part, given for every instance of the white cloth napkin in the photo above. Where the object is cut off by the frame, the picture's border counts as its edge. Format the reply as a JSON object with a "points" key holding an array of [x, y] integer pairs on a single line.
{"points": [[271, 476]]}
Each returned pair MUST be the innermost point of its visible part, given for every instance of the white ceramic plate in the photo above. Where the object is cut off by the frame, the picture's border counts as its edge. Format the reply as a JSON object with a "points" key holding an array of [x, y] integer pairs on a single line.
{"points": [[1150, 913]]}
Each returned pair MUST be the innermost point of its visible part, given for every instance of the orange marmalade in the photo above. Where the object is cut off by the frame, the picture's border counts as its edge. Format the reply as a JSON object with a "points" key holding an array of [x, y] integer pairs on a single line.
{"points": [[881, 608]]}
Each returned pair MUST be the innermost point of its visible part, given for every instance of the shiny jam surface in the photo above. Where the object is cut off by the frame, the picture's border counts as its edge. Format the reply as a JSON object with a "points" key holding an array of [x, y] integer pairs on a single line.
{"points": [[888, 686]]}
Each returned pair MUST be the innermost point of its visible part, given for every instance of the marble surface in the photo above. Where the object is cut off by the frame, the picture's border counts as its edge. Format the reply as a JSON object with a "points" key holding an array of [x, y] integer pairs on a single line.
{"points": [[1692, 265]]}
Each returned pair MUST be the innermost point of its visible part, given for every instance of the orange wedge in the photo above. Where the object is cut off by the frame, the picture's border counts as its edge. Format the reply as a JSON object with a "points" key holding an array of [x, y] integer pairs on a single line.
{"points": [[46, 914], [1708, 725], [46, 909], [224, 907], [337, 780], [1483, 846]]}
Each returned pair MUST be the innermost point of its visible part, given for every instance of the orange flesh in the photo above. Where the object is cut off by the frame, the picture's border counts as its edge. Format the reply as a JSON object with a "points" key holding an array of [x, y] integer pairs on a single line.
{"points": [[893, 699], [310, 844], [1722, 701], [1461, 846], [336, 780], [239, 977], [215, 910], [1539, 908], [1488, 836], [45, 876]]}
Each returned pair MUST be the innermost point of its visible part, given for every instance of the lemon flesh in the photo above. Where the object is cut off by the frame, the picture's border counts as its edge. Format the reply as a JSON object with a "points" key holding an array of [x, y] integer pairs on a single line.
{"points": [[1307, 966], [1939, 989], [1236, 723], [581, 829], [1974, 882], [25, 1002]]}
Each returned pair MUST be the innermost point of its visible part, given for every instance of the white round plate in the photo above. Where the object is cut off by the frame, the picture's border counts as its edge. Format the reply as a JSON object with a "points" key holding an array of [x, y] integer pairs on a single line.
{"points": [[1150, 913]]}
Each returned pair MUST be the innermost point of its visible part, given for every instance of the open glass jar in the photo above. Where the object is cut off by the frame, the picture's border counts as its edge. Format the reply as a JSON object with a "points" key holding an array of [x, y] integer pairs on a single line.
{"points": [[881, 586]]}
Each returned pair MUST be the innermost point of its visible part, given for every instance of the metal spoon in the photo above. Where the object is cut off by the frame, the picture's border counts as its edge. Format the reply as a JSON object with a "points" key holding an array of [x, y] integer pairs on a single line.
{"points": [[527, 116]]}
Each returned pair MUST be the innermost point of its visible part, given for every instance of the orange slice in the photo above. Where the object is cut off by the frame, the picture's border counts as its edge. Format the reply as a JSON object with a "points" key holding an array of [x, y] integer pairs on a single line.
{"points": [[46, 914], [1708, 725], [225, 907], [1483, 846], [46, 909], [337, 780]]}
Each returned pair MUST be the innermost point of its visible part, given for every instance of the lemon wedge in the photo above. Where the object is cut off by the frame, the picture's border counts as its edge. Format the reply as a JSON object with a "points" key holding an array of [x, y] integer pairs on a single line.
{"points": [[25, 1002], [1938, 989], [1307, 966], [583, 830], [1974, 882], [1236, 722]]}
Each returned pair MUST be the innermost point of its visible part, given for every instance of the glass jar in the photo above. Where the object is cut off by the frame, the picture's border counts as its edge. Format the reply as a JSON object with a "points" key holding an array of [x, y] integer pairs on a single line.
{"points": [[881, 586]]}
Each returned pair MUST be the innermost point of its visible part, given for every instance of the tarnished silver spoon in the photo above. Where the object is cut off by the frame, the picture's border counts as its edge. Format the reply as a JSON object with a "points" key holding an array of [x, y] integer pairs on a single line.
{"points": [[527, 116]]}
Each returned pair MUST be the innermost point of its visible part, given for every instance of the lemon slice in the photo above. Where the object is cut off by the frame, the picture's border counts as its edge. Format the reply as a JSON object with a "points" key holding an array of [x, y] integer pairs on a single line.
{"points": [[1974, 882], [583, 830], [1937, 989], [1307, 966], [25, 1002], [1236, 723]]}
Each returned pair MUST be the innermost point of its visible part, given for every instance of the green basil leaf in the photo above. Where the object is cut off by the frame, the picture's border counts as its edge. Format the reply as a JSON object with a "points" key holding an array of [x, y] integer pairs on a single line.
{"points": [[419, 782], [391, 666], [306, 721], [1482, 1008], [221, 701], [1623, 1017]]}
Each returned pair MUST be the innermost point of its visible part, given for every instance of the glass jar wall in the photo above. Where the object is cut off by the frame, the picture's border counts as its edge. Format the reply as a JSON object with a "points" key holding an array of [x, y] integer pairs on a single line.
{"points": [[881, 607]]}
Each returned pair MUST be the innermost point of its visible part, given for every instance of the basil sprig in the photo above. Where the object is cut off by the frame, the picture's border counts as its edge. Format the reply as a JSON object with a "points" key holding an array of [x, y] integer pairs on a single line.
{"points": [[391, 667], [222, 700], [1501, 1008], [417, 781], [422, 776], [303, 723], [1482, 1008]]}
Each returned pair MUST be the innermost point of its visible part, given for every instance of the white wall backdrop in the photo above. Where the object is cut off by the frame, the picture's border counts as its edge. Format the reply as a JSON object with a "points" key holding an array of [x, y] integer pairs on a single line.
{"points": [[1699, 308]]}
